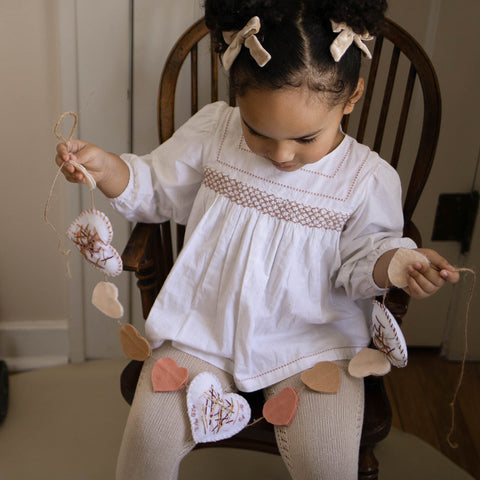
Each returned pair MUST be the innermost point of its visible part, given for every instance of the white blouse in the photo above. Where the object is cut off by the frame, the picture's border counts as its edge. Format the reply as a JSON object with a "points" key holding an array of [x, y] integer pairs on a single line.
{"points": [[276, 266]]}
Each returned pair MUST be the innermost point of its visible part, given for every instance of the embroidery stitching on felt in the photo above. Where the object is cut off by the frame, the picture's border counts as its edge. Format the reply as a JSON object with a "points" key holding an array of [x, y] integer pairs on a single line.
{"points": [[250, 197]]}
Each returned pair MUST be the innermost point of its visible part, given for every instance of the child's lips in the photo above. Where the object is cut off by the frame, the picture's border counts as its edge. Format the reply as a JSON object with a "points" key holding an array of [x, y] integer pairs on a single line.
{"points": [[284, 166]]}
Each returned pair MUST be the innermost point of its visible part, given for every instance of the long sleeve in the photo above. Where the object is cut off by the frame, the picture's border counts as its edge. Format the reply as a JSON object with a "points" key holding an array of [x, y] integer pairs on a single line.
{"points": [[164, 183], [375, 227]]}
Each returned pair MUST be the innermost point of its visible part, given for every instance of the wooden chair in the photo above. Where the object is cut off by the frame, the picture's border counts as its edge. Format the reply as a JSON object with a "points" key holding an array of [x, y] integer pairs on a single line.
{"points": [[150, 251]]}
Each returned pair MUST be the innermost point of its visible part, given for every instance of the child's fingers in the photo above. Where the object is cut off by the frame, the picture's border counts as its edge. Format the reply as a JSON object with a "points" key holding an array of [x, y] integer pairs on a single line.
{"points": [[423, 281], [446, 271], [451, 276]]}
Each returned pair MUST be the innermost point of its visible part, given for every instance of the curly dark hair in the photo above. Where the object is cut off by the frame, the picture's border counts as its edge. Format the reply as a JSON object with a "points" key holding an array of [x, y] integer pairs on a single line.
{"points": [[298, 35]]}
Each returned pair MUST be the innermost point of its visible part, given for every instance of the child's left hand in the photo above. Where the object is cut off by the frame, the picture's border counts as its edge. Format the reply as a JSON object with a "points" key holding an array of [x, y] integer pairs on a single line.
{"points": [[425, 280]]}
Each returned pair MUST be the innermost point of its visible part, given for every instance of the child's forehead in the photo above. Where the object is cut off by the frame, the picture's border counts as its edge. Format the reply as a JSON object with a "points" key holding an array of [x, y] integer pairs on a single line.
{"points": [[296, 110]]}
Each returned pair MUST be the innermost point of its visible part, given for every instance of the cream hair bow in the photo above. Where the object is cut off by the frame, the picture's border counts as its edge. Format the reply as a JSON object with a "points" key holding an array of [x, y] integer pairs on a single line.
{"points": [[346, 36], [246, 37]]}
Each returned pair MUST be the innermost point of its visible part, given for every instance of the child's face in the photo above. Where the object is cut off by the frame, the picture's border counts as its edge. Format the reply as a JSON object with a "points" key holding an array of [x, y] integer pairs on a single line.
{"points": [[290, 127]]}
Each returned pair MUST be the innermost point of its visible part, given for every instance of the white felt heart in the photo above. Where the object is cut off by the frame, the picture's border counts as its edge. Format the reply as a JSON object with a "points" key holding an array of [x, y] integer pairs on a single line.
{"points": [[214, 415], [387, 335], [369, 361], [105, 298], [92, 232]]}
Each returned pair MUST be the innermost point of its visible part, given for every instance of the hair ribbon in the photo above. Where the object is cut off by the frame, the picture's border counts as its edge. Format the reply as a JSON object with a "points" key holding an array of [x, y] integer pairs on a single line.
{"points": [[346, 36], [246, 36]]}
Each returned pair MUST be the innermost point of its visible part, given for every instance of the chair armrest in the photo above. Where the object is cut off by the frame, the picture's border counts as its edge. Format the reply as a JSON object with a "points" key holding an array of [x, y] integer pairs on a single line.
{"points": [[149, 254], [139, 245]]}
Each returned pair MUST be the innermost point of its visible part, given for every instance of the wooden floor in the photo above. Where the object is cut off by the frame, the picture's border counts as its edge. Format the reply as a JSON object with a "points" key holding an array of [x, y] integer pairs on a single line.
{"points": [[421, 394]]}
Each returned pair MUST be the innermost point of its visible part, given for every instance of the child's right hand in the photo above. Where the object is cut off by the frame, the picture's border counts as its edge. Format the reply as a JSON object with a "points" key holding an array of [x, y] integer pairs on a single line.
{"points": [[90, 156], [109, 171]]}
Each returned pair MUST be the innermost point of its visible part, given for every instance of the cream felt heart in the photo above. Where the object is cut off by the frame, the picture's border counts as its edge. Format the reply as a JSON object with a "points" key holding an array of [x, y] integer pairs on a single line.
{"points": [[105, 298], [387, 335], [369, 361], [214, 415], [281, 409], [324, 377], [134, 345], [92, 232], [167, 376], [398, 266]]}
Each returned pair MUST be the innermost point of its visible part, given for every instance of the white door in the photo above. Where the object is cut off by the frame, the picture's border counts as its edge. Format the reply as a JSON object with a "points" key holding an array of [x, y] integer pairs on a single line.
{"points": [[95, 41]]}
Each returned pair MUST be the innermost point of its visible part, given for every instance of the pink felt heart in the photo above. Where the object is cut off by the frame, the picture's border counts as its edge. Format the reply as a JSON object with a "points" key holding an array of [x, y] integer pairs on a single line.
{"points": [[324, 377], [134, 345], [167, 376], [92, 232], [214, 415], [281, 409]]}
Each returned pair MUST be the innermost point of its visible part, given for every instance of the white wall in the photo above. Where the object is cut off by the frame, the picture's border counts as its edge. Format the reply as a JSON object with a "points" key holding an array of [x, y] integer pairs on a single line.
{"points": [[33, 295]]}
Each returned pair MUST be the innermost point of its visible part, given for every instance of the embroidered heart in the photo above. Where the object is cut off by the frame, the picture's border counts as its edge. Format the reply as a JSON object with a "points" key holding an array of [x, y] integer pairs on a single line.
{"points": [[213, 414], [369, 361], [387, 335], [324, 377], [398, 266], [134, 345], [92, 232], [105, 298], [167, 376], [281, 409]]}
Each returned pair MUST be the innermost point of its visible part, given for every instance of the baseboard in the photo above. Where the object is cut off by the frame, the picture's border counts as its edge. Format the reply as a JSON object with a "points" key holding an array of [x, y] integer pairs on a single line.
{"points": [[27, 345]]}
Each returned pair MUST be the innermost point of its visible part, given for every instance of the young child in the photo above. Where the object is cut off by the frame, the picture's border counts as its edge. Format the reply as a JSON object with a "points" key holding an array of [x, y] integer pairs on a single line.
{"points": [[291, 225]]}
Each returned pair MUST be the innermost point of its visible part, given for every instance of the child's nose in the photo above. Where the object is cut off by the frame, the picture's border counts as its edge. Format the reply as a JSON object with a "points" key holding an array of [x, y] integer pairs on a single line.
{"points": [[281, 153]]}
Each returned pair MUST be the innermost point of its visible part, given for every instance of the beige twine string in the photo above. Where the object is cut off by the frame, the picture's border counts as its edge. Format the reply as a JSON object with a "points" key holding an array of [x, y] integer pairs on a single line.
{"points": [[464, 358], [57, 133]]}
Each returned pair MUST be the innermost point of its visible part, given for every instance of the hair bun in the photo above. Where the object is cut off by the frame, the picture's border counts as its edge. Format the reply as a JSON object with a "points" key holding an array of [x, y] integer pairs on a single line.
{"points": [[228, 15], [360, 15]]}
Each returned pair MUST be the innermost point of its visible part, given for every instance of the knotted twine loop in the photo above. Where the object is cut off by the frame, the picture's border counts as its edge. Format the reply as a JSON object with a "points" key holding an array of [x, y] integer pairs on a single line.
{"points": [[56, 129]]}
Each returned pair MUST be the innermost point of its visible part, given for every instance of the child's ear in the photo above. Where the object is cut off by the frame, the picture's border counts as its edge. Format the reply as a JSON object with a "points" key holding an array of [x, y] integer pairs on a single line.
{"points": [[355, 97]]}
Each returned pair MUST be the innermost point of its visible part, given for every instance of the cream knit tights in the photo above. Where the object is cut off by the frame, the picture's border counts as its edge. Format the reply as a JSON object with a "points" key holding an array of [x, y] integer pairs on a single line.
{"points": [[321, 443], [323, 440]]}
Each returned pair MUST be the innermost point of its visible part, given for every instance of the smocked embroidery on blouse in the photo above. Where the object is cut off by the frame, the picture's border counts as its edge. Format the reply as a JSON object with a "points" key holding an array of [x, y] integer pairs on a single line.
{"points": [[343, 198], [274, 206]]}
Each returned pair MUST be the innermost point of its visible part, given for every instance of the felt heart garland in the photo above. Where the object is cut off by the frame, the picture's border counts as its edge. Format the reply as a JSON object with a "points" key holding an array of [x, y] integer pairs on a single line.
{"points": [[92, 233]]}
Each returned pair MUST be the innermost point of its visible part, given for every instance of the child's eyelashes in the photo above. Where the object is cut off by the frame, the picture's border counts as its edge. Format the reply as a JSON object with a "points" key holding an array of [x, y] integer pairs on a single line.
{"points": [[299, 140], [307, 140]]}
